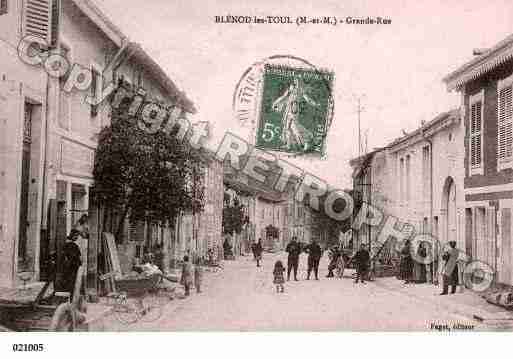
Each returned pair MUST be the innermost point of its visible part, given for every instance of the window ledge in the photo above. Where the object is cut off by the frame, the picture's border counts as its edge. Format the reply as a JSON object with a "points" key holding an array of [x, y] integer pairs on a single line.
{"points": [[505, 164], [476, 170]]}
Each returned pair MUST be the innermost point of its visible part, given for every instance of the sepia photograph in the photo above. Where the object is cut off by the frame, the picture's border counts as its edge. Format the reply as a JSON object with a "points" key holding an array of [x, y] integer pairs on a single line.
{"points": [[240, 166]]}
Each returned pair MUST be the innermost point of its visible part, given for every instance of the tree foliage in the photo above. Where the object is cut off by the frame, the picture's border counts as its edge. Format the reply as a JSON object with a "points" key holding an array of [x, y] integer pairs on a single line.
{"points": [[233, 215], [151, 177]]}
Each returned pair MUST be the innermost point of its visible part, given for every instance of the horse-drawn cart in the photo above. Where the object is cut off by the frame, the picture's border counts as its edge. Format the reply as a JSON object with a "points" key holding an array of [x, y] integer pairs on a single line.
{"points": [[35, 309]]}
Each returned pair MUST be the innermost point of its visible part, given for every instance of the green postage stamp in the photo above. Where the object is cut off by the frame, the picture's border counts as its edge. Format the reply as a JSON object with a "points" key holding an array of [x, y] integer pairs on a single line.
{"points": [[296, 110]]}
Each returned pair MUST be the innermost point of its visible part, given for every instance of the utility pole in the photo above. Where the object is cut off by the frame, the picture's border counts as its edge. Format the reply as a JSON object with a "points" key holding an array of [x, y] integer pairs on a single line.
{"points": [[359, 111]]}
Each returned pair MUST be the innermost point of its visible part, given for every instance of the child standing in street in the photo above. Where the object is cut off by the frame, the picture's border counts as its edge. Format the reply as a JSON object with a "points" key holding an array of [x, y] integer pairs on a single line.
{"points": [[186, 279], [279, 278]]}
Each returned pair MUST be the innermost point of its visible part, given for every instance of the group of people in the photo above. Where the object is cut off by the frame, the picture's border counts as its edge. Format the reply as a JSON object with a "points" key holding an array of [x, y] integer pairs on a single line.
{"points": [[294, 249], [414, 269]]}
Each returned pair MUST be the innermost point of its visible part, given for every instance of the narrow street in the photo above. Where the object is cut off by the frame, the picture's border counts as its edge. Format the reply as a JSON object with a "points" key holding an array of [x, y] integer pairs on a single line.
{"points": [[243, 298]]}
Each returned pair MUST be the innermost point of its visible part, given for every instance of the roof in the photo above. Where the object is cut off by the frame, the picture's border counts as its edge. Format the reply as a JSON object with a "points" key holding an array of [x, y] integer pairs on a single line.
{"points": [[101, 20], [449, 116], [173, 91], [481, 65], [254, 188], [358, 161], [444, 119]]}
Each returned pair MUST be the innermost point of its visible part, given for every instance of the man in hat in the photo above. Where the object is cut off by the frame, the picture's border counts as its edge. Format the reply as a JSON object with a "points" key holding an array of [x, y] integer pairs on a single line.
{"points": [[294, 250], [450, 273], [314, 257], [361, 258]]}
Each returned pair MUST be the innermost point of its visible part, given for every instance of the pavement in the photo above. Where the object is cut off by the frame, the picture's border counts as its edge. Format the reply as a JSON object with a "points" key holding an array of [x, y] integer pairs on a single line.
{"points": [[242, 297]]}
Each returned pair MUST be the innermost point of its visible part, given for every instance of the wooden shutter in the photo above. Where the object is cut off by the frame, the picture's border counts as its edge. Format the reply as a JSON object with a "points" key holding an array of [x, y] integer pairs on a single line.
{"points": [[95, 81], [55, 21], [505, 123], [506, 246], [136, 231], [3, 7], [38, 19], [475, 134], [491, 251]]}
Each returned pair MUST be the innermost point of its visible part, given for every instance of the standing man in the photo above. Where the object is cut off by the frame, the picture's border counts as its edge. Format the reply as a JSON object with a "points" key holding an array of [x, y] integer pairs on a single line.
{"points": [[361, 258], [314, 256], [335, 255], [294, 250], [258, 251], [450, 274]]}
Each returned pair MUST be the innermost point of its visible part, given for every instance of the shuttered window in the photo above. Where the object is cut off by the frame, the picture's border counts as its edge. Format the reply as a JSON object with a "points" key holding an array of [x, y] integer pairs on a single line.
{"points": [[136, 231], [37, 18], [3, 7], [476, 136], [505, 126], [95, 82], [56, 16], [64, 96]]}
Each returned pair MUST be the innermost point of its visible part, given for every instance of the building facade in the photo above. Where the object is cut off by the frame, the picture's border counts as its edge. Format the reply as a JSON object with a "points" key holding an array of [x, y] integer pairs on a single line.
{"points": [[486, 88], [24, 114], [428, 166], [49, 131], [418, 179]]}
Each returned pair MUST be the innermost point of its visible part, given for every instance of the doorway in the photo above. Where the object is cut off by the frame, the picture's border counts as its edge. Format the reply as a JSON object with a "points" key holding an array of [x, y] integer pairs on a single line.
{"points": [[468, 232], [24, 263], [450, 228]]}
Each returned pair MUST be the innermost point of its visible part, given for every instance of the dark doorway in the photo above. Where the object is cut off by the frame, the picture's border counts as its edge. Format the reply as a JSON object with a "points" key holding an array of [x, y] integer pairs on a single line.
{"points": [[468, 232], [23, 260]]}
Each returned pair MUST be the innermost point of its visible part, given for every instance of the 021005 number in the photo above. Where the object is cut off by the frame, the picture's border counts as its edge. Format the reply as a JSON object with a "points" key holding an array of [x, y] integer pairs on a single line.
{"points": [[28, 347]]}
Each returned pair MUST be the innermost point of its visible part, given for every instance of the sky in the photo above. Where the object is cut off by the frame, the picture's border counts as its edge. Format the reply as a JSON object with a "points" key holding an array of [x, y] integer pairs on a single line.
{"points": [[395, 69]]}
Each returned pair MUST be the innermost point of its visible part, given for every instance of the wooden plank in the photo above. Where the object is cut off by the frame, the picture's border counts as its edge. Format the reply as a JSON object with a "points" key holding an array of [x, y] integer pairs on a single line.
{"points": [[113, 254], [110, 285], [92, 254]]}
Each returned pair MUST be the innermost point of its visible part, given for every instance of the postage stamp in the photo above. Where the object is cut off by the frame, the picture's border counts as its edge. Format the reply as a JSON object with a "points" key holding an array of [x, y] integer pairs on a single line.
{"points": [[296, 108]]}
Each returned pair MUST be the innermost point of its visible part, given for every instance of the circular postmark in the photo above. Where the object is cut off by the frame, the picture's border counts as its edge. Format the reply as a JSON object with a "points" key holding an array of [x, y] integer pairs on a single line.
{"points": [[288, 103]]}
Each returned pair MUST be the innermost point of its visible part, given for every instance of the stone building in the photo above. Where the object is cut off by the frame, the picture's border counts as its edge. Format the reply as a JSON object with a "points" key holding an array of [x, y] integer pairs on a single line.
{"points": [[197, 233], [24, 117], [428, 167], [418, 179], [371, 184], [50, 131], [486, 87]]}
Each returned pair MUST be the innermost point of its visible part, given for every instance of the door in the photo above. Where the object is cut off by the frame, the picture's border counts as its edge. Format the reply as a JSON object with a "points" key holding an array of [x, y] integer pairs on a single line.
{"points": [[23, 260], [505, 274], [468, 232], [451, 213]]}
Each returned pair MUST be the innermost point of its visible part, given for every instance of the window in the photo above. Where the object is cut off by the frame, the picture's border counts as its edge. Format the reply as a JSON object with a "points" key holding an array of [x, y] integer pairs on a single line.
{"points": [[37, 17], [426, 172], [476, 133], [425, 226], [3, 7], [408, 181], [401, 181], [56, 16], [64, 96], [505, 124], [95, 83]]}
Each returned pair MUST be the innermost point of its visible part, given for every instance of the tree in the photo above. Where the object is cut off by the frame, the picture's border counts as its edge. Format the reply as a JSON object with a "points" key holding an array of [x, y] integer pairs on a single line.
{"points": [[233, 215], [150, 177]]}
